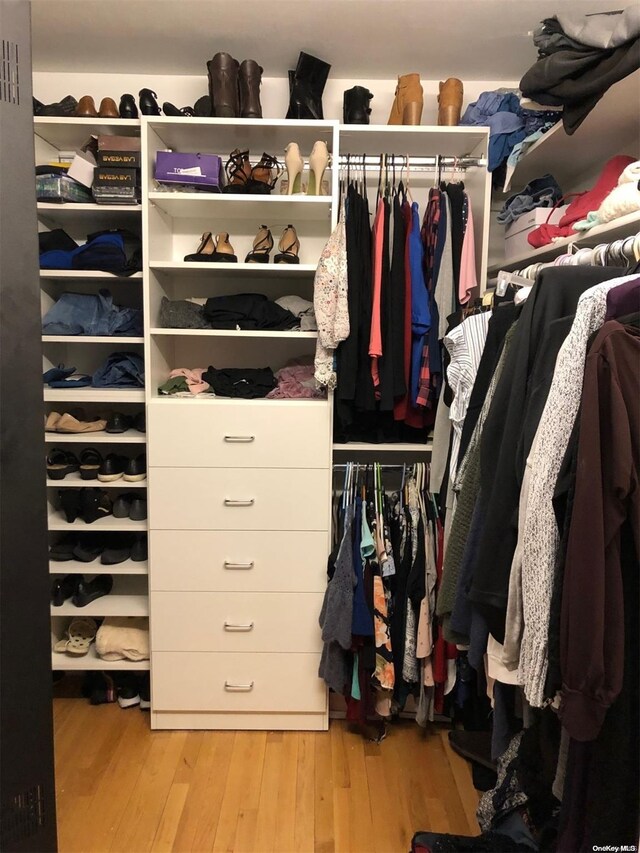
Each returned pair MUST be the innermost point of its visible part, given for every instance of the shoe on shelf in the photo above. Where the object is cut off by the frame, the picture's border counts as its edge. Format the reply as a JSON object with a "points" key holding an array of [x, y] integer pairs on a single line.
{"points": [[88, 548], [118, 423], [118, 549], [138, 511], [306, 85], [90, 462], [122, 506], [170, 110], [128, 108], [140, 422], [148, 104], [88, 591], [86, 107], [70, 503], [408, 102], [60, 463], [318, 162], [203, 107], [127, 688], [112, 468], [136, 469], [262, 180], [262, 246], [294, 165], [51, 421], [108, 109], [64, 588], [139, 550], [145, 691], [355, 105], [80, 634], [249, 80], [62, 550], [209, 252], [238, 171], [95, 504], [64, 108], [223, 85], [289, 247], [76, 422], [450, 97]]}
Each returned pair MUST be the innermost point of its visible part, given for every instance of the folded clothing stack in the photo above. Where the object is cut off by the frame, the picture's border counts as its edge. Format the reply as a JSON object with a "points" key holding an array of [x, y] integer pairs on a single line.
{"points": [[117, 251], [250, 311], [541, 192], [580, 58], [247, 383], [123, 638], [622, 200], [120, 370], [91, 314], [296, 381]]}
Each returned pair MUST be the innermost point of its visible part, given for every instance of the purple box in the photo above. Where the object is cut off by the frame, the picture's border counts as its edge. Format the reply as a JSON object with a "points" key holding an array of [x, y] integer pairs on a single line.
{"points": [[198, 170]]}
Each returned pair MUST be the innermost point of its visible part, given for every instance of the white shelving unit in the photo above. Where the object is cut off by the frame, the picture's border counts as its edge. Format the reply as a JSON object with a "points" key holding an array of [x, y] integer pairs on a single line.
{"points": [[129, 596]]}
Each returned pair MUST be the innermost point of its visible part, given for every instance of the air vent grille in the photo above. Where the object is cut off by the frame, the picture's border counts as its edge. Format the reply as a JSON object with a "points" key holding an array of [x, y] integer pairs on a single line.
{"points": [[10, 73], [23, 816]]}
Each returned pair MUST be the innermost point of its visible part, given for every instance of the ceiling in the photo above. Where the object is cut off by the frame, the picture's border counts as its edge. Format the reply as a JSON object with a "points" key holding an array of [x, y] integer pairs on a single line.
{"points": [[369, 39]]}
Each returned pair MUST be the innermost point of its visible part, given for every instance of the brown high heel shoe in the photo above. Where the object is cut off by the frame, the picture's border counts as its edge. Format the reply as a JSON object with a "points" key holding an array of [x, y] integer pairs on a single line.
{"points": [[450, 102], [262, 246], [238, 171], [261, 180], [86, 107], [408, 102], [108, 109], [208, 252], [289, 247]]}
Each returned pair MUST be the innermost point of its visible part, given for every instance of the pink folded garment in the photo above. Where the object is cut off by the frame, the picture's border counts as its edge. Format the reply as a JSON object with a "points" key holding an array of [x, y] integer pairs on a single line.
{"points": [[585, 202], [193, 377], [296, 381]]}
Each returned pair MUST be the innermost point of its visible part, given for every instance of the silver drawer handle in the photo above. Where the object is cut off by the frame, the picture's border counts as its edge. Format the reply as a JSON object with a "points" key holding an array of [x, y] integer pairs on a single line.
{"points": [[238, 688], [231, 626], [229, 502], [238, 565], [240, 439]]}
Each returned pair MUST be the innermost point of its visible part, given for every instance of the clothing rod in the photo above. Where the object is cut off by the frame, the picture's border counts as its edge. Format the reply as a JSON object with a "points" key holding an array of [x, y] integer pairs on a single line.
{"points": [[400, 160], [343, 467]]}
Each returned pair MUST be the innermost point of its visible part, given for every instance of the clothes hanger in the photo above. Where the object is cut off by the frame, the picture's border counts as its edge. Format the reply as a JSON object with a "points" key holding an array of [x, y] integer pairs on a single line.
{"points": [[407, 186]]}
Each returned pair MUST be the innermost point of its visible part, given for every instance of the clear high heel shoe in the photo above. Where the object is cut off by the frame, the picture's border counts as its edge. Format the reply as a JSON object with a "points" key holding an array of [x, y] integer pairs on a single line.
{"points": [[262, 246], [294, 164], [318, 162], [289, 247]]}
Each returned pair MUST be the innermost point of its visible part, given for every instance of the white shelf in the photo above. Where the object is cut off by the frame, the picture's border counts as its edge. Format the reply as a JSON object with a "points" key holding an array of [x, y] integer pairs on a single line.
{"points": [[79, 219], [234, 333], [625, 226], [68, 133], [128, 597], [190, 268], [74, 207], [91, 339], [75, 567], [280, 208], [93, 395], [221, 136], [56, 521], [418, 141], [61, 661], [88, 275], [73, 481], [131, 436], [399, 448]]}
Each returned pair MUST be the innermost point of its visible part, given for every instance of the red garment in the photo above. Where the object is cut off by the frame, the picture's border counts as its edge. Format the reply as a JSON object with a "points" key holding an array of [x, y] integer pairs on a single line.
{"points": [[375, 337], [583, 204], [401, 406]]}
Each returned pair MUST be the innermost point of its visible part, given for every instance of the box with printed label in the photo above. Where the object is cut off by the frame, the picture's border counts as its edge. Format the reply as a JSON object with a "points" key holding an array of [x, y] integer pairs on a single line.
{"points": [[119, 159], [201, 170], [116, 177]]}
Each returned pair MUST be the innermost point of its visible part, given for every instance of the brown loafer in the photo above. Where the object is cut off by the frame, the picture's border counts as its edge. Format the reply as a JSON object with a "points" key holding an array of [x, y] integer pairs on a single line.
{"points": [[86, 107], [108, 109]]}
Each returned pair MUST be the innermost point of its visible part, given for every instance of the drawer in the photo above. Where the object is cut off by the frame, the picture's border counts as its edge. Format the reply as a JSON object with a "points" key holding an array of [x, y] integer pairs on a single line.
{"points": [[240, 434], [236, 621], [214, 681], [238, 499], [241, 561]]}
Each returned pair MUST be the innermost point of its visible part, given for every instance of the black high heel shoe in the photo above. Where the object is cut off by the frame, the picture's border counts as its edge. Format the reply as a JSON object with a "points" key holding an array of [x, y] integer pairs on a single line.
{"points": [[169, 110], [262, 246], [262, 180], [127, 107], [289, 247], [221, 251], [148, 104], [70, 503], [238, 169]]}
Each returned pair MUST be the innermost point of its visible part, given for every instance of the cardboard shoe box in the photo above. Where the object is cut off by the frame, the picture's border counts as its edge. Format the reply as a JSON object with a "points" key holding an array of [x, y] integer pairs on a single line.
{"points": [[107, 177], [198, 170], [517, 232], [119, 151]]}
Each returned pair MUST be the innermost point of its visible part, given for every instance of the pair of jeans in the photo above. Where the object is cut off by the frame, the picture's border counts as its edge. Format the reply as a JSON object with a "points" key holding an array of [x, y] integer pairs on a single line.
{"points": [[121, 369], [91, 314]]}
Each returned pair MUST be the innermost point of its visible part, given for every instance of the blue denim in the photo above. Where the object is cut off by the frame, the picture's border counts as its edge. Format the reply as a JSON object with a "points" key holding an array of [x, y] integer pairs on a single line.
{"points": [[104, 252], [91, 314], [541, 192], [121, 369]]}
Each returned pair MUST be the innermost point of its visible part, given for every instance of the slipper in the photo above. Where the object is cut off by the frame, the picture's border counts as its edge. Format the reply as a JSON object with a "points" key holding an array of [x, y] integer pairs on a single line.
{"points": [[118, 550], [51, 421], [80, 634], [69, 423], [88, 547], [90, 462], [62, 551], [55, 374], [60, 463], [88, 591]]}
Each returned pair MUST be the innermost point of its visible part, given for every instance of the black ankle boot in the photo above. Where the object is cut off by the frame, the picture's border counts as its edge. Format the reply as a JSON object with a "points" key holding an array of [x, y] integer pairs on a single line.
{"points": [[203, 107], [223, 85], [148, 104], [127, 108], [355, 105], [249, 88], [306, 87], [170, 110]]}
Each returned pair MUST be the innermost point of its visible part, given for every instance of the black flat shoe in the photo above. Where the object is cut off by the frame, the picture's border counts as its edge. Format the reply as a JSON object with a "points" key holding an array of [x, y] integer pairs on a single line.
{"points": [[62, 551], [140, 422], [95, 504], [70, 503], [169, 110], [89, 547], [118, 423], [118, 549], [136, 469], [60, 463], [138, 511], [139, 551], [148, 104], [89, 591], [66, 107], [127, 108], [122, 506], [112, 468], [90, 462], [64, 588]]}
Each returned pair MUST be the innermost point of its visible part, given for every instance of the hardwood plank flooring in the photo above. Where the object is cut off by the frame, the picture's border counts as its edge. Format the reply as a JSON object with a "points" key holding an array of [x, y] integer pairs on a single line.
{"points": [[126, 789]]}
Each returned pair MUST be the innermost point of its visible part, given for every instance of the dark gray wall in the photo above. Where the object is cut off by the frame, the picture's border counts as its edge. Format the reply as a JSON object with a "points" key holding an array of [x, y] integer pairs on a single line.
{"points": [[27, 792]]}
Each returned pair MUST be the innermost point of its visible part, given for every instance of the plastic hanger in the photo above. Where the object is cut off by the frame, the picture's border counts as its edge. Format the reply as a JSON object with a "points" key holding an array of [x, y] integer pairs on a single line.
{"points": [[407, 186]]}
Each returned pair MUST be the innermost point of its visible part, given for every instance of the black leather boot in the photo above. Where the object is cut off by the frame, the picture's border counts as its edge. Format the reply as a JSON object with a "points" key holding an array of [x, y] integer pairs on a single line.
{"points": [[355, 105], [148, 104], [308, 84], [249, 88], [223, 85], [127, 108], [203, 107]]}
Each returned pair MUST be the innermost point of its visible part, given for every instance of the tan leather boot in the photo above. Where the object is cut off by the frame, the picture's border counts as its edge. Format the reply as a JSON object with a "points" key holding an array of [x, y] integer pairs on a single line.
{"points": [[450, 102], [409, 100]]}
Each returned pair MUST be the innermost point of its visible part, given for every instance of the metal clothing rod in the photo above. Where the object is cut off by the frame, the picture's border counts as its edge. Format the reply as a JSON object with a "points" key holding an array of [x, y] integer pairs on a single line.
{"points": [[358, 161], [363, 465]]}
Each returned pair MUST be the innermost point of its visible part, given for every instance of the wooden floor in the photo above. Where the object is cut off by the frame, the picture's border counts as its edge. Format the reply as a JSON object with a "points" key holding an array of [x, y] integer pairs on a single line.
{"points": [[121, 787]]}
